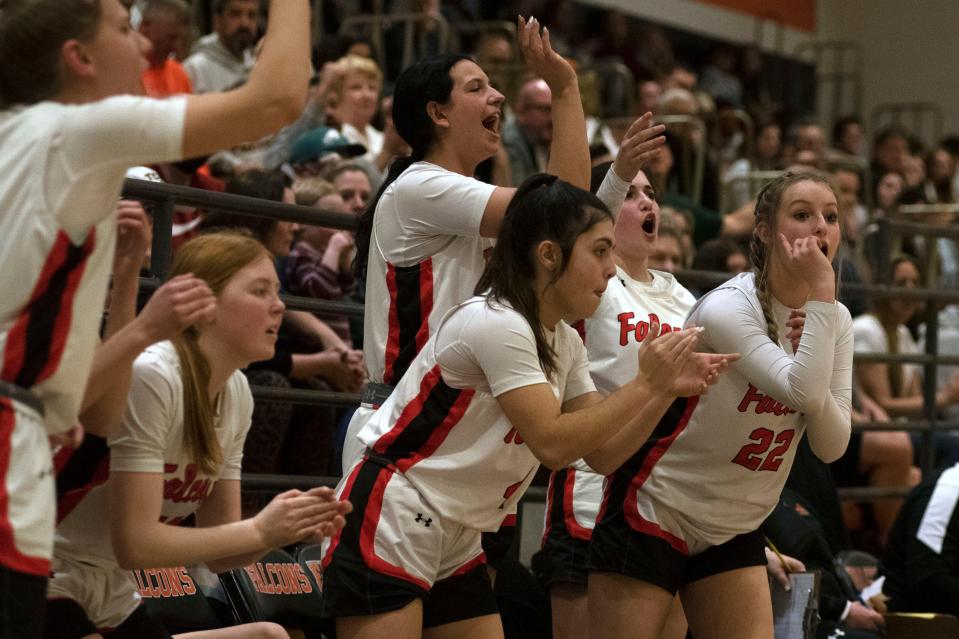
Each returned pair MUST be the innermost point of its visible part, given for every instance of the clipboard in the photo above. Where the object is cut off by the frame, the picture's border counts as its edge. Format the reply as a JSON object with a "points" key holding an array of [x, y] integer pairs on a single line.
{"points": [[796, 611]]}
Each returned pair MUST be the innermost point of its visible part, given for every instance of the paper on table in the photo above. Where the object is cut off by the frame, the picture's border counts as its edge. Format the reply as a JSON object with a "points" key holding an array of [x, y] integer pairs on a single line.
{"points": [[795, 611]]}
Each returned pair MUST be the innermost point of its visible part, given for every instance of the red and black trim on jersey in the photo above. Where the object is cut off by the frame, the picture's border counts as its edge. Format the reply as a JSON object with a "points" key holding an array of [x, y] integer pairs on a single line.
{"points": [[10, 556], [559, 507], [37, 338], [424, 422], [79, 471], [620, 490], [411, 302]]}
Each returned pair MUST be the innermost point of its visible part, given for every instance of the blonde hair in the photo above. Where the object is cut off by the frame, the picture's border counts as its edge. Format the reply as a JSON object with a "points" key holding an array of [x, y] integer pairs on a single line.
{"points": [[352, 64], [311, 190], [214, 258], [767, 204]]}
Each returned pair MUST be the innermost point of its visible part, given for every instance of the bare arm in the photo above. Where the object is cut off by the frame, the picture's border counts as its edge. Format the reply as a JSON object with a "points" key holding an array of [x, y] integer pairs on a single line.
{"points": [[568, 151], [273, 97], [700, 370], [140, 540], [559, 438], [873, 377], [174, 306]]}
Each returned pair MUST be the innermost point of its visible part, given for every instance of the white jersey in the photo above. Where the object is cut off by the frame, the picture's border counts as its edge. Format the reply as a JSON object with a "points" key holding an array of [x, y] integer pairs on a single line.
{"points": [[150, 440], [426, 256], [871, 338], [719, 461], [442, 426], [613, 335], [61, 170]]}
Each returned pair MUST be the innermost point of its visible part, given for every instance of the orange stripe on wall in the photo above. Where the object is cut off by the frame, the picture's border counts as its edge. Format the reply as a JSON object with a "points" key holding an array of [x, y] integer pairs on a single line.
{"points": [[800, 14]]}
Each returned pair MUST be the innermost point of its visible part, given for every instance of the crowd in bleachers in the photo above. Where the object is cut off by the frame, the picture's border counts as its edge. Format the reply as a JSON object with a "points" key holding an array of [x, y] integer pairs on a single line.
{"points": [[727, 134]]}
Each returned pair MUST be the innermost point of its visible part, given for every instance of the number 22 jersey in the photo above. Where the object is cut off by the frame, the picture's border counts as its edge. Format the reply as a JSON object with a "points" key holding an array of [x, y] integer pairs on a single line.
{"points": [[719, 461]]}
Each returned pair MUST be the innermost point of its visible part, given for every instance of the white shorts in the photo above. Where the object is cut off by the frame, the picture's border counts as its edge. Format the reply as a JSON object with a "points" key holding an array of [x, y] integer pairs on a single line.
{"points": [[107, 595], [28, 497]]}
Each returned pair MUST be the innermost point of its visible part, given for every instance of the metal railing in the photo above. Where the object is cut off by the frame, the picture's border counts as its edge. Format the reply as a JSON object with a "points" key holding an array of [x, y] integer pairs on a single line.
{"points": [[165, 197], [839, 65]]}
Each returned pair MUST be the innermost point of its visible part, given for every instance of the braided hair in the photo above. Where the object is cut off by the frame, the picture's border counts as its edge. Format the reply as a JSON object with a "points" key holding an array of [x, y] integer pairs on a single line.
{"points": [[767, 204]]}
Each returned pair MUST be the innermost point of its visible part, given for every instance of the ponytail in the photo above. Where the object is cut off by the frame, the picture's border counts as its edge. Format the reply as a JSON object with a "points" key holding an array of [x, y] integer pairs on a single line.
{"points": [[364, 226], [199, 424]]}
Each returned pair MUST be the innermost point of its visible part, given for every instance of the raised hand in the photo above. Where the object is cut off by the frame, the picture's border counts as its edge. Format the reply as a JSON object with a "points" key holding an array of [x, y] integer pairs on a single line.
{"points": [[640, 145], [804, 260], [181, 302], [134, 236], [542, 61]]}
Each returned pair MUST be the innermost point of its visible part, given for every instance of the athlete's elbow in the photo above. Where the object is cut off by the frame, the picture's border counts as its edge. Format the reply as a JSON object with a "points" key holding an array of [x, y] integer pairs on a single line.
{"points": [[554, 459], [829, 451], [127, 556]]}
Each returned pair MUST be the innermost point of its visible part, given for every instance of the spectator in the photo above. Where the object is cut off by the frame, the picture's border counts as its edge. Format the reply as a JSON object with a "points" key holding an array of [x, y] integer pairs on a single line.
{"points": [[647, 95], [767, 155], [319, 263], [352, 182], [847, 135], [527, 136], [889, 187], [921, 563], [221, 60], [352, 101], [684, 141], [721, 255], [895, 386], [889, 152], [667, 254], [805, 144], [940, 174], [165, 23], [852, 266], [319, 148], [719, 79]]}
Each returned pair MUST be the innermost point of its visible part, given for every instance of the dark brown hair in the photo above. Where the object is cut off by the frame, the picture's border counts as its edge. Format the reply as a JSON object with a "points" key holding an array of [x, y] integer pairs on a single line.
{"points": [[32, 35]]}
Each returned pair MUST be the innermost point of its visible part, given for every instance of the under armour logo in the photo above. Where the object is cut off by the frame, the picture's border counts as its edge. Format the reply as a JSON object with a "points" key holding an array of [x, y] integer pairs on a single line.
{"points": [[426, 520]]}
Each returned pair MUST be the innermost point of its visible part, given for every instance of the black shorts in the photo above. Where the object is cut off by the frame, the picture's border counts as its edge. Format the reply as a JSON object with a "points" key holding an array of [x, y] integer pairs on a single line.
{"points": [[497, 545], [355, 584], [617, 547], [66, 619], [845, 470], [564, 553], [23, 602]]}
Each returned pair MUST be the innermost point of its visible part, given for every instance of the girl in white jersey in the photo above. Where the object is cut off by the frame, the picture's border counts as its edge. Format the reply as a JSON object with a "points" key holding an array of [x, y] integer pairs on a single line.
{"points": [[501, 386], [67, 136], [178, 453], [636, 298], [421, 240], [682, 514]]}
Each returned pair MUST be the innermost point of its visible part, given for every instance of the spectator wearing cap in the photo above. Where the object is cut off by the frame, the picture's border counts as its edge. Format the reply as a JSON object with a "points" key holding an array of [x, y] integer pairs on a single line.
{"points": [[165, 23], [314, 148], [222, 60]]}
